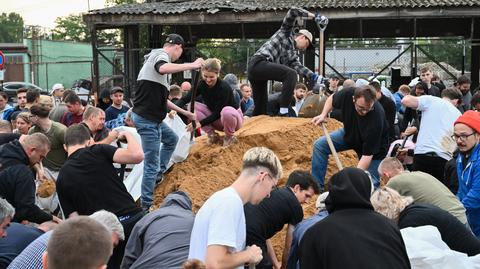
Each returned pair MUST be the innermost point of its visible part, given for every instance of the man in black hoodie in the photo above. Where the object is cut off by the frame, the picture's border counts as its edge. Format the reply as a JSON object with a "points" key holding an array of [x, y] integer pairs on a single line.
{"points": [[17, 181], [353, 235]]}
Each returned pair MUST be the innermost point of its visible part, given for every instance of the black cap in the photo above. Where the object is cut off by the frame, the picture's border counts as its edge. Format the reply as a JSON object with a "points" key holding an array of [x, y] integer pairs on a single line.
{"points": [[116, 89], [175, 39]]}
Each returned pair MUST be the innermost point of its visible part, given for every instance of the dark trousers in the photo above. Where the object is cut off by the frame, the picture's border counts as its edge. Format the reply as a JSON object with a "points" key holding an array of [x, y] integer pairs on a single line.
{"points": [[430, 164], [118, 251], [260, 71]]}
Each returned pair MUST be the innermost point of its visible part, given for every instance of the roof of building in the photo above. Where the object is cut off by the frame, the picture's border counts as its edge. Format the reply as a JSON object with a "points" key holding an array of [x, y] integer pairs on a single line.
{"points": [[213, 6]]}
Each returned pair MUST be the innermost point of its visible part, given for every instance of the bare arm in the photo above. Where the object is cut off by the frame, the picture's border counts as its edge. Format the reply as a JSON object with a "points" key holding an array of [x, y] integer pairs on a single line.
{"points": [[327, 108], [364, 162], [112, 136], [133, 154], [219, 257], [410, 101], [180, 110], [170, 68], [288, 244], [271, 255]]}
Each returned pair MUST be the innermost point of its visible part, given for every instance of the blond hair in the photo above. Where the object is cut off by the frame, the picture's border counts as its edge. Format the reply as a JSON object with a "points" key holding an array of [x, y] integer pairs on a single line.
{"points": [[389, 202], [212, 65], [264, 157], [390, 164]]}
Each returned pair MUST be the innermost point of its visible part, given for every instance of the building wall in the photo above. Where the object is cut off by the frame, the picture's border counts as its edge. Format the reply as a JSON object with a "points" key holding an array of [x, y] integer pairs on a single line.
{"points": [[63, 62]]}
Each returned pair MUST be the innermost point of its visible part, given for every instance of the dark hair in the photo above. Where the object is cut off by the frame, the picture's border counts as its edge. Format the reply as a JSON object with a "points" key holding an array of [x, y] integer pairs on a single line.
{"points": [[32, 96], [367, 92], [4, 95], [76, 134], [475, 99], [72, 98], [463, 80], [21, 90], [375, 85], [40, 111], [304, 179], [66, 93], [300, 86], [422, 85], [453, 93]]}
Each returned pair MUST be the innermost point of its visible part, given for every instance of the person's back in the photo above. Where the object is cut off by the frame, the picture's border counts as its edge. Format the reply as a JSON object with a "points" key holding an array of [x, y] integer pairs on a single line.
{"points": [[353, 235], [30, 257], [18, 237], [424, 188], [162, 238], [453, 232]]}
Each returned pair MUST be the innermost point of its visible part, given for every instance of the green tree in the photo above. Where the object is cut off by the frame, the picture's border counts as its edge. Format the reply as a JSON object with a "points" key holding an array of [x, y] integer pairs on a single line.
{"points": [[110, 3], [71, 28], [11, 28]]}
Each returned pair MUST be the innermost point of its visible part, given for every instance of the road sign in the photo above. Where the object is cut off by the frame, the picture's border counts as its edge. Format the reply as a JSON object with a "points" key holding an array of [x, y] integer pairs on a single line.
{"points": [[2, 60]]}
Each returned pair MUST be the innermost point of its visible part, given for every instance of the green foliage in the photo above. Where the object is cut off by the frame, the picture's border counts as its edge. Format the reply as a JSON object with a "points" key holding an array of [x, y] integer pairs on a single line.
{"points": [[232, 52], [71, 28], [11, 28], [110, 3]]}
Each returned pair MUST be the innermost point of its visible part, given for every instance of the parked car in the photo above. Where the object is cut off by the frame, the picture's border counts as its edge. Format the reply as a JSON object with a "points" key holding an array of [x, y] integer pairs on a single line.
{"points": [[11, 88]]}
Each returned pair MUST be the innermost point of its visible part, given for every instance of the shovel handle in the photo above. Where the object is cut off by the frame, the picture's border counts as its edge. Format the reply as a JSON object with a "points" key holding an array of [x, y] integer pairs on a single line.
{"points": [[332, 147]]}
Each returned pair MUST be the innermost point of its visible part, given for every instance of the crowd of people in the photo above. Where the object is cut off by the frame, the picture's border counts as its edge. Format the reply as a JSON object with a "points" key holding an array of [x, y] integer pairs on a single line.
{"points": [[63, 196]]}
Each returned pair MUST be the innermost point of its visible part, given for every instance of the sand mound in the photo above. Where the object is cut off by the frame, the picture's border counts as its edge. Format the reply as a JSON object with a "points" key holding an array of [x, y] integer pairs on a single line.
{"points": [[211, 168]]}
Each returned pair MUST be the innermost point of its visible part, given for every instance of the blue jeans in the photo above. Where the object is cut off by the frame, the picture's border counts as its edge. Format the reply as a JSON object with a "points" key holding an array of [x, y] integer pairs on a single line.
{"points": [[321, 150], [156, 159]]}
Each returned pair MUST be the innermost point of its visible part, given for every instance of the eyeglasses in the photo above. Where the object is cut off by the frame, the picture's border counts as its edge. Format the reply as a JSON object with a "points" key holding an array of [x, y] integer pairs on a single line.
{"points": [[271, 178], [463, 137], [362, 109]]}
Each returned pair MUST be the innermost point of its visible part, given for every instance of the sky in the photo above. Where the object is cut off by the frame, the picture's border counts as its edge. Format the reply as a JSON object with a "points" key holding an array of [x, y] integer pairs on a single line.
{"points": [[44, 12]]}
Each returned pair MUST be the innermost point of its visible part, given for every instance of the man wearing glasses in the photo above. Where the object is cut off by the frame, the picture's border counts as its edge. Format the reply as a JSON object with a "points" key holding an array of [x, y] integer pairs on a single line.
{"points": [[219, 232], [435, 145], [467, 136], [365, 130]]}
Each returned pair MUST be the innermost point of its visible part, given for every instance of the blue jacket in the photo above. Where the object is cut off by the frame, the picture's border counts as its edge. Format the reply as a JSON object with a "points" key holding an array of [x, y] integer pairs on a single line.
{"points": [[469, 188]]}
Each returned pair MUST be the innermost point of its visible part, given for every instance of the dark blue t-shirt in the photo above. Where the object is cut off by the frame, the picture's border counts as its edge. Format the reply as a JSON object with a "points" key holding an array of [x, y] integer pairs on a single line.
{"points": [[112, 113]]}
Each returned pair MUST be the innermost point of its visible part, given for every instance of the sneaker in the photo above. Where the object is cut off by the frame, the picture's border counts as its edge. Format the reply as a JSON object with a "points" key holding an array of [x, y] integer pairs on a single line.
{"points": [[229, 140], [213, 138]]}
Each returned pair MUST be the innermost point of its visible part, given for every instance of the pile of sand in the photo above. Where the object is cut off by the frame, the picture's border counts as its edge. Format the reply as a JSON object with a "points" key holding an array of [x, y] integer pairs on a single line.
{"points": [[210, 168]]}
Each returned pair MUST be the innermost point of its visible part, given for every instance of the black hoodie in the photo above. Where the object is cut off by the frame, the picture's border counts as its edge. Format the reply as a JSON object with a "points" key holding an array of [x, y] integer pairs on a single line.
{"points": [[17, 184], [353, 235]]}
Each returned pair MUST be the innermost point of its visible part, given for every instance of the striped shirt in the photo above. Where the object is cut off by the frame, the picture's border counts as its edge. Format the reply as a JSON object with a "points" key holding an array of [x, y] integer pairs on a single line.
{"points": [[280, 48]]}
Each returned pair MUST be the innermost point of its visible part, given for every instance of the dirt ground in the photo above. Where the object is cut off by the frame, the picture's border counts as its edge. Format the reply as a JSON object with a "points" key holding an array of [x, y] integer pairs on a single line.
{"points": [[210, 168]]}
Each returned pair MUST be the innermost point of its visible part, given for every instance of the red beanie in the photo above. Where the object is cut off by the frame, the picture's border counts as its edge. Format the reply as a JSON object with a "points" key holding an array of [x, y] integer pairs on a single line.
{"points": [[470, 118]]}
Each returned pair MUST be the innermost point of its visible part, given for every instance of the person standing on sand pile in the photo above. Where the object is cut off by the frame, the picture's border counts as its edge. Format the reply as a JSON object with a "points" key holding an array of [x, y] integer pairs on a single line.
{"points": [[277, 60], [150, 108]]}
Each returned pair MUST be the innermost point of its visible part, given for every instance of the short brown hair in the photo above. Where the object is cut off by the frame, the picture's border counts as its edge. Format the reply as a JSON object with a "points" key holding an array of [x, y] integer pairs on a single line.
{"points": [[365, 91], [21, 90], [79, 243], [463, 80], [452, 94], [175, 90], [425, 69], [300, 86], [40, 111], [71, 98], [244, 85]]}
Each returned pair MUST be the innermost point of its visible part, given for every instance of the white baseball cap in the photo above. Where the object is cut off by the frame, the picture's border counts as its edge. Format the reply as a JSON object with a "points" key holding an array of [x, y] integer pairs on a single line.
{"points": [[307, 34], [57, 86]]}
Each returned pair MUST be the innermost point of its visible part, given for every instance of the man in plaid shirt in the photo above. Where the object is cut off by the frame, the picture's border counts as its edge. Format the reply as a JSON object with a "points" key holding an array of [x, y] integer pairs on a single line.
{"points": [[277, 60]]}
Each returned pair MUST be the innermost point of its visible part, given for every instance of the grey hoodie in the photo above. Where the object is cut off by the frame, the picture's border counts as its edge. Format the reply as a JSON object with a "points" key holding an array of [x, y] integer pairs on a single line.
{"points": [[162, 238]]}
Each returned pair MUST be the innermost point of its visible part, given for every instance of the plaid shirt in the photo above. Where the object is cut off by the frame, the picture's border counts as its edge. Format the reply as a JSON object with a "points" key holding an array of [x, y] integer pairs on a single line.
{"points": [[31, 256], [280, 48]]}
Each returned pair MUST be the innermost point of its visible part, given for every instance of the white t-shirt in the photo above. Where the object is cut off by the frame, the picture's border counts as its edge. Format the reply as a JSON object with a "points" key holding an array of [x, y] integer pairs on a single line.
{"points": [[220, 221], [436, 126]]}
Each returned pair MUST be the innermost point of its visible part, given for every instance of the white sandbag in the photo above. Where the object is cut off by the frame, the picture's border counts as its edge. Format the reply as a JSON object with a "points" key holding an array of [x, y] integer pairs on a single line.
{"points": [[183, 145], [426, 250]]}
